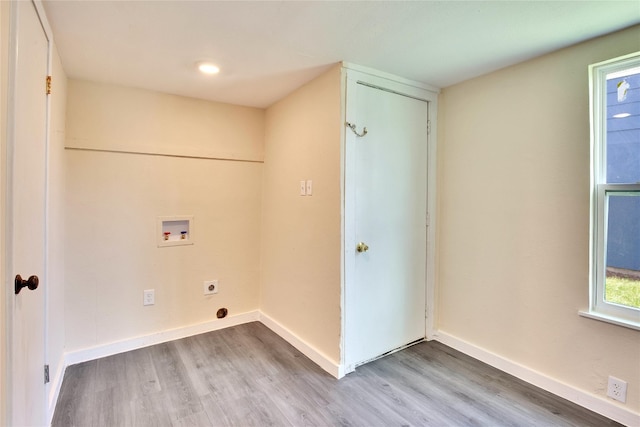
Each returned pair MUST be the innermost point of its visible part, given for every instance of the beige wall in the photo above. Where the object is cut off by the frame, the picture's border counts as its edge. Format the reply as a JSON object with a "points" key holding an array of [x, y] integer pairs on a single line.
{"points": [[153, 122], [514, 220], [301, 236], [113, 200]]}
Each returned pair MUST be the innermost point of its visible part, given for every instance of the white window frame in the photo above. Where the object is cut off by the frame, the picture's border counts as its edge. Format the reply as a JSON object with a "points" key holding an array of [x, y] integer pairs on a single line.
{"points": [[599, 308]]}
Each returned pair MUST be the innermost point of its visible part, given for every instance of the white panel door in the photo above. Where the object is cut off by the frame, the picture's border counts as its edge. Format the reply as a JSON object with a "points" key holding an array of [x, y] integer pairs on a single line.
{"points": [[27, 162], [385, 295]]}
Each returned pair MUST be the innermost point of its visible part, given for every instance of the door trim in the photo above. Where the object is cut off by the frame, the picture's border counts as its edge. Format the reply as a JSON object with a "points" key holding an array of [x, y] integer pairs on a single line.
{"points": [[351, 76], [384, 89], [6, 382]]}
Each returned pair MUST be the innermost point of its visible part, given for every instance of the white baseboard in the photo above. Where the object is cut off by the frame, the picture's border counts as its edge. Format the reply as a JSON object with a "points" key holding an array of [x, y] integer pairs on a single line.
{"points": [[592, 402], [110, 349], [308, 350], [55, 385]]}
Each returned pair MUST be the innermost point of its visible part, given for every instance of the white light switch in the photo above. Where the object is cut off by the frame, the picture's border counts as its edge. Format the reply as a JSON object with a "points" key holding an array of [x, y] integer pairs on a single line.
{"points": [[309, 187], [303, 188]]}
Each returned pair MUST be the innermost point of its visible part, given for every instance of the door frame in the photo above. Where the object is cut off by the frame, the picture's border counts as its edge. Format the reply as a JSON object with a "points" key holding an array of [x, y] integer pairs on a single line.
{"points": [[351, 76], [9, 60]]}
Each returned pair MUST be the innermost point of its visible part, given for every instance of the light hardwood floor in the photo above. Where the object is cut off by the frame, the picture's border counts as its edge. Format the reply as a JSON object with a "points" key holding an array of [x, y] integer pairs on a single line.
{"points": [[248, 376]]}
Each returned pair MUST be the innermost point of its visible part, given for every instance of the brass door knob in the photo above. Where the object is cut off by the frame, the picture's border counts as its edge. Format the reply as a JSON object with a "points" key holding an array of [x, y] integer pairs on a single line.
{"points": [[362, 247]]}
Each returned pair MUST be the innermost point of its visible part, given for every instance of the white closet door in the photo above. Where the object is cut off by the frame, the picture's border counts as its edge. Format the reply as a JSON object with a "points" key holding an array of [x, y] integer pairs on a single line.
{"points": [[387, 186], [26, 247]]}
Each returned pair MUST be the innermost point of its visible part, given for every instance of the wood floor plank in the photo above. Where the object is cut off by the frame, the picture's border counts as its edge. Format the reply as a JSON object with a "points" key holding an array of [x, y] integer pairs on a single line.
{"points": [[293, 399], [77, 396], [248, 376], [195, 420], [148, 411], [178, 395], [141, 372]]}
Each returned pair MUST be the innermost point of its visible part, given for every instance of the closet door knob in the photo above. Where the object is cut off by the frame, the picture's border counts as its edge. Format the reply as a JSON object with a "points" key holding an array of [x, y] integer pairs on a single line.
{"points": [[31, 283], [362, 247]]}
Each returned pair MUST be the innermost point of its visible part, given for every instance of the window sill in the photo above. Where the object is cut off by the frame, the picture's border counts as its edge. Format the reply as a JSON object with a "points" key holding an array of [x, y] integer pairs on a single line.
{"points": [[610, 319]]}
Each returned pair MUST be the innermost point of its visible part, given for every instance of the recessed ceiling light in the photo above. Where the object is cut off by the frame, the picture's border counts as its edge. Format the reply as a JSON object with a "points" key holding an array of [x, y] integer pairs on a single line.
{"points": [[621, 115], [208, 68]]}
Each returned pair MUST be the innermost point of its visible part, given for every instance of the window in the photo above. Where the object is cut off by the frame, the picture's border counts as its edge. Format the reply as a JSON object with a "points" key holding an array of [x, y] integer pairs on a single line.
{"points": [[615, 191]]}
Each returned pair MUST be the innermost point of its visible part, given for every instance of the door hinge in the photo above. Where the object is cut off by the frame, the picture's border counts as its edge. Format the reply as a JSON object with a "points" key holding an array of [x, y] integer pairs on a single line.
{"points": [[46, 374], [428, 127], [48, 85], [428, 219]]}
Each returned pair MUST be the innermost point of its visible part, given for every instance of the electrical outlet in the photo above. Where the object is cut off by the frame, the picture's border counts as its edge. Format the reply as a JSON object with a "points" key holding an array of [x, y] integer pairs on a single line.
{"points": [[617, 389], [210, 287], [149, 297]]}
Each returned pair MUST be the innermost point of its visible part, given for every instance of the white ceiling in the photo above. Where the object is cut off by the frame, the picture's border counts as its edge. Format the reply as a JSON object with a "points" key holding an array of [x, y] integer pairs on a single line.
{"points": [[266, 49]]}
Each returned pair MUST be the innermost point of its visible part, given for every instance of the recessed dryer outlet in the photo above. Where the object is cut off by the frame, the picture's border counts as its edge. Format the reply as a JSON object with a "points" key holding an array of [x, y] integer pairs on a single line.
{"points": [[210, 287]]}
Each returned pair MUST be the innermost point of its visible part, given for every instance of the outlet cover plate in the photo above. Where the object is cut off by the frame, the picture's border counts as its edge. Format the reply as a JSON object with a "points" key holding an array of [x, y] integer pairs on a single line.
{"points": [[149, 297], [617, 389], [210, 287]]}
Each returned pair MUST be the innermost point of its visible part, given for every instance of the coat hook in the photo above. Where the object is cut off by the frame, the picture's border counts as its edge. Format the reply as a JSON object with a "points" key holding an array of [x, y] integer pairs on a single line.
{"points": [[352, 126]]}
